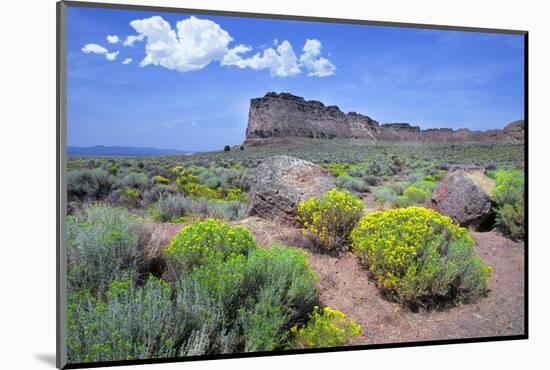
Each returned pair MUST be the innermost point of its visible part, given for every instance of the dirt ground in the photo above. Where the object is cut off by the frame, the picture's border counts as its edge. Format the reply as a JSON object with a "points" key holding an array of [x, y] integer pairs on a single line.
{"points": [[344, 284]]}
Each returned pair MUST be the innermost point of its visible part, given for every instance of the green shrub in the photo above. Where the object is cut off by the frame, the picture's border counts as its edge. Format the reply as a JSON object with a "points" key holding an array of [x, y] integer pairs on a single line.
{"points": [[171, 207], [419, 193], [284, 271], [326, 327], [492, 174], [234, 177], [131, 194], [263, 322], [419, 257], [351, 184], [89, 183], [414, 177], [206, 177], [280, 290], [213, 182], [131, 323], [236, 194], [399, 187], [358, 171], [385, 195], [102, 245], [402, 202], [208, 242], [221, 280], [372, 180], [416, 195], [330, 218], [135, 180], [227, 210], [246, 304], [508, 195], [427, 184], [239, 304]]}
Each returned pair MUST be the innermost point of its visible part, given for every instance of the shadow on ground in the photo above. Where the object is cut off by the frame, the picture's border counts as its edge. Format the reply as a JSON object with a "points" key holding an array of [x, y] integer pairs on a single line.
{"points": [[46, 358]]}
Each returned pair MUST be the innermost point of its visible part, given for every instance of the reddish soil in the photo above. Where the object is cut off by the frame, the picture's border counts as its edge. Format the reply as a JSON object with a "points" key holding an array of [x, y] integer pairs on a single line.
{"points": [[344, 284], [370, 202]]}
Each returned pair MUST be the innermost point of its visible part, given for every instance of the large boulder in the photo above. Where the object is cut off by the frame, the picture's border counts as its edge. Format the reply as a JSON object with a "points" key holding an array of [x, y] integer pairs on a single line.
{"points": [[279, 183], [465, 196]]}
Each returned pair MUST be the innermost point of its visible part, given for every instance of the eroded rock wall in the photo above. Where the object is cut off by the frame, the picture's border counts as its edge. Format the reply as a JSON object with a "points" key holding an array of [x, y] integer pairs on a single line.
{"points": [[286, 115]]}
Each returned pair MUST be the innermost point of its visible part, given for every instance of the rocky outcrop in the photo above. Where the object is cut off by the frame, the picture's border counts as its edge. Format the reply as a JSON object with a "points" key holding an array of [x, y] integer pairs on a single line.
{"points": [[279, 183], [464, 196], [285, 115], [515, 130]]}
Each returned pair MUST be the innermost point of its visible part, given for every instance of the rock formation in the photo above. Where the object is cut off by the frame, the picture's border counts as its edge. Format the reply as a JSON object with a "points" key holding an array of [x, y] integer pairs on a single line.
{"points": [[285, 115], [464, 196], [279, 183]]}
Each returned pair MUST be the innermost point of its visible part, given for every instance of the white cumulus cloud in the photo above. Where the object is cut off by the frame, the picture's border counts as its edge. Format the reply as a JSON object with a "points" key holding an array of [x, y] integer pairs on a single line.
{"points": [[113, 39], [194, 43], [94, 48], [130, 40], [98, 49], [281, 62], [315, 64], [111, 56]]}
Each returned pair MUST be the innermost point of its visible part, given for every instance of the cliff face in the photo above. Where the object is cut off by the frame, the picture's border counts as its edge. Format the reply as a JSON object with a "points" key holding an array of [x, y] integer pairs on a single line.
{"points": [[285, 115]]}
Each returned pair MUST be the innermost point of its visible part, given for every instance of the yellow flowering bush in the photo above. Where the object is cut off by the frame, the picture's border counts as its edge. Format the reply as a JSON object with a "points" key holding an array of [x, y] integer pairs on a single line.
{"points": [[177, 170], [326, 327], [161, 180], [236, 194], [420, 257], [188, 184], [208, 241], [330, 218], [337, 169]]}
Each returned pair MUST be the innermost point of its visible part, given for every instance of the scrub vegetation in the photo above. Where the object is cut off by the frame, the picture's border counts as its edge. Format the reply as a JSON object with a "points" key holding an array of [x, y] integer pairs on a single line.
{"points": [[212, 288]]}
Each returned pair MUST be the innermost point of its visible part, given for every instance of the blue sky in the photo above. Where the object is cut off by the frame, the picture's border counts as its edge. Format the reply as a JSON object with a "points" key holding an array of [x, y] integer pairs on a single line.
{"points": [[188, 87]]}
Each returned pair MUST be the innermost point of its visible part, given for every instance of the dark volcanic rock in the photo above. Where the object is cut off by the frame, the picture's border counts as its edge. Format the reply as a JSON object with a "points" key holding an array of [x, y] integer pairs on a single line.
{"points": [[279, 183], [464, 196], [285, 115]]}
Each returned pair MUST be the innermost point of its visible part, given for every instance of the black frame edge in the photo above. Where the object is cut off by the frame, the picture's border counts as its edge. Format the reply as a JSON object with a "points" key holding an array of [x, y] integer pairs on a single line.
{"points": [[526, 192]]}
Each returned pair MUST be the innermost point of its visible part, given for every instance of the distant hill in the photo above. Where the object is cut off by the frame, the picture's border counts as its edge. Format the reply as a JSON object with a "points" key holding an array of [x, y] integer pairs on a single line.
{"points": [[102, 150]]}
